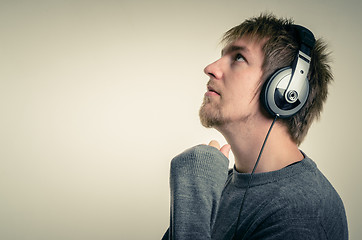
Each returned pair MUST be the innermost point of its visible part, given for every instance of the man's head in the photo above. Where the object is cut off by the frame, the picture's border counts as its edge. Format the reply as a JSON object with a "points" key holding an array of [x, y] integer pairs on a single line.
{"points": [[279, 46]]}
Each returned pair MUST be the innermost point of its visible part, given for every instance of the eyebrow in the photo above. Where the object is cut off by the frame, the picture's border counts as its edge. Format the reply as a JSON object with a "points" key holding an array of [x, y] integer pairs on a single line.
{"points": [[234, 48]]}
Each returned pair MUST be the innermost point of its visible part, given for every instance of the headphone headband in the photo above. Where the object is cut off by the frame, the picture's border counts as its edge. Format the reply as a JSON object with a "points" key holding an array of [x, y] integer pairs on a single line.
{"points": [[305, 38]]}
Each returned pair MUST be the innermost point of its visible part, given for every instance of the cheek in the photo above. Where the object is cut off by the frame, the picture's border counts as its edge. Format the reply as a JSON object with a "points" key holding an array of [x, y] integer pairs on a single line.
{"points": [[251, 83], [245, 91], [242, 92]]}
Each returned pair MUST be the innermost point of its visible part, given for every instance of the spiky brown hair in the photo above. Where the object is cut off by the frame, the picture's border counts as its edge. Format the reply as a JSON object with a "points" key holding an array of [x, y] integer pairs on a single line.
{"points": [[280, 50]]}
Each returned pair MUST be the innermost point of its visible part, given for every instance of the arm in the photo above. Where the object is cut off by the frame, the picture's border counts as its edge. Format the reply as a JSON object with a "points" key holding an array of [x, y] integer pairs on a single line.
{"points": [[197, 178]]}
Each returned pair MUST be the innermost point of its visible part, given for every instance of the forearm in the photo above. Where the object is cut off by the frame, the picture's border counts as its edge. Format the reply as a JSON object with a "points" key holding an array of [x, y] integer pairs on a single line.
{"points": [[197, 178]]}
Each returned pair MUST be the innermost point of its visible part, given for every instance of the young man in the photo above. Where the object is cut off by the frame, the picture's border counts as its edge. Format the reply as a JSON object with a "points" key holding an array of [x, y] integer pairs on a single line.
{"points": [[284, 195]]}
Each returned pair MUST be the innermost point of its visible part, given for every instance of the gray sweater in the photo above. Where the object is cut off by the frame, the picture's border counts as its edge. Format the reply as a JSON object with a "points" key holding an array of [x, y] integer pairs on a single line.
{"points": [[296, 202]]}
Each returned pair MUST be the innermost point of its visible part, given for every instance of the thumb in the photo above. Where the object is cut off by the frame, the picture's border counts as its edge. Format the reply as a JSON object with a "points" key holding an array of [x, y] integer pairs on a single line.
{"points": [[225, 150], [215, 144]]}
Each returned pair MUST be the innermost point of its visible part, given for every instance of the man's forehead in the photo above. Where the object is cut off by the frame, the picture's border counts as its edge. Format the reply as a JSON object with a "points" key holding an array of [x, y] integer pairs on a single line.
{"points": [[234, 47], [244, 44]]}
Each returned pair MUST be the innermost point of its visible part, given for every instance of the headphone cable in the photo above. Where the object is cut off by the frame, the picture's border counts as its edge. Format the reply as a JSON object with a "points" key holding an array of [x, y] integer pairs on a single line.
{"points": [[252, 174]]}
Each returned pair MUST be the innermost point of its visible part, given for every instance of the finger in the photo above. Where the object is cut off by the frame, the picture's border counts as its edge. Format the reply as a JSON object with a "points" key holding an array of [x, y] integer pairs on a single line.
{"points": [[214, 144], [225, 150]]}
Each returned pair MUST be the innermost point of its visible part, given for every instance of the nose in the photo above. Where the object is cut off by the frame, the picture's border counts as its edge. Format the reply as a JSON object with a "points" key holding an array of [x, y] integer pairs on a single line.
{"points": [[213, 70]]}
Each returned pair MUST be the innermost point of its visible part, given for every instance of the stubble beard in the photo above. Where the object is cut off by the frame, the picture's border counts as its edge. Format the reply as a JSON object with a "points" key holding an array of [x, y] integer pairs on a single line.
{"points": [[210, 114]]}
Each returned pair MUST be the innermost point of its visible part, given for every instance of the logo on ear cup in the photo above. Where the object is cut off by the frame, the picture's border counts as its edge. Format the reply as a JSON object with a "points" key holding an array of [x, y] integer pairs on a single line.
{"points": [[274, 94]]}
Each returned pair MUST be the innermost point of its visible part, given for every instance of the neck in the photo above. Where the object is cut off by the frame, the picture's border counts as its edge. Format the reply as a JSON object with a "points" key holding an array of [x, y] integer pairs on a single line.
{"points": [[246, 140]]}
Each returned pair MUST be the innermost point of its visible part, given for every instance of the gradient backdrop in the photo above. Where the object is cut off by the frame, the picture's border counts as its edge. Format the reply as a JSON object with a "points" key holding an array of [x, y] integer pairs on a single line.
{"points": [[96, 97]]}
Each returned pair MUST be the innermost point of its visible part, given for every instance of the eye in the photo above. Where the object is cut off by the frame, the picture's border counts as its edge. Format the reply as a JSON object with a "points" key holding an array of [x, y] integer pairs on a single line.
{"points": [[239, 58]]}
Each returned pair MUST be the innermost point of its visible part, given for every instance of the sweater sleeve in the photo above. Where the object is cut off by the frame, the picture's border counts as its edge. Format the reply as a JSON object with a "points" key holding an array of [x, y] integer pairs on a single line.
{"points": [[197, 178]]}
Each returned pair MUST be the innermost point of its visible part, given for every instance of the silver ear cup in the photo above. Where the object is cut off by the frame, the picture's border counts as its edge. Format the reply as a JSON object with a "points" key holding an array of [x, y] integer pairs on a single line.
{"points": [[275, 95]]}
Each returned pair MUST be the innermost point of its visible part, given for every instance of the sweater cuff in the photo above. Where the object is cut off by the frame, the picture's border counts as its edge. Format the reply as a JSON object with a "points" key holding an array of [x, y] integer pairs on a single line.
{"points": [[201, 161]]}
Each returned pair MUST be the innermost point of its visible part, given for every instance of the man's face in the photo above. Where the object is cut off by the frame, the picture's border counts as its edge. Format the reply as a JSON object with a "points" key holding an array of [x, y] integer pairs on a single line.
{"points": [[233, 88]]}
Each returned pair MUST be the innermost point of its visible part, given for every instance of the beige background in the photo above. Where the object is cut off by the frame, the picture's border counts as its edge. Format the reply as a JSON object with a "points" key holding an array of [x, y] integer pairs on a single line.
{"points": [[96, 97]]}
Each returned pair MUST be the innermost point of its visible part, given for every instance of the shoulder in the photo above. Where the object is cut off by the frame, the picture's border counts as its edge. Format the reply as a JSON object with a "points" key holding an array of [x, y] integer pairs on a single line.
{"points": [[310, 190], [307, 201]]}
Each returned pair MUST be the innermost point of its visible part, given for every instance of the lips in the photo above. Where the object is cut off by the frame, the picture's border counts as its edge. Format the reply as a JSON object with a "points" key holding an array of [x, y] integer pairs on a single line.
{"points": [[211, 90]]}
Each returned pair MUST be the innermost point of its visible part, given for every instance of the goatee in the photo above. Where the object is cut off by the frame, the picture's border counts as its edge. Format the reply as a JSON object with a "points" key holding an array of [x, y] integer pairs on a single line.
{"points": [[210, 114]]}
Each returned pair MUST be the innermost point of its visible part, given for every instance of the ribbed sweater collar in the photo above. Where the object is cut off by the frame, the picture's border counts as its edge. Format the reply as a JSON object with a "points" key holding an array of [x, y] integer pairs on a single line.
{"points": [[241, 179]]}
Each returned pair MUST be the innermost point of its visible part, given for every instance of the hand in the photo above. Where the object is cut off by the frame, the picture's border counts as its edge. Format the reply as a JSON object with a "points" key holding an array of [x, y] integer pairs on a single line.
{"points": [[224, 149]]}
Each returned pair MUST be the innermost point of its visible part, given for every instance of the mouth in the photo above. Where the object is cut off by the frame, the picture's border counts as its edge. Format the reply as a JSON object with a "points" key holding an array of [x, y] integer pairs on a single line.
{"points": [[211, 91]]}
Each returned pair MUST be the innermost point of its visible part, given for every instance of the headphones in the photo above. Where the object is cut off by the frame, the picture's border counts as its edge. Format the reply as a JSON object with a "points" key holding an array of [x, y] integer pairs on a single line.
{"points": [[287, 90]]}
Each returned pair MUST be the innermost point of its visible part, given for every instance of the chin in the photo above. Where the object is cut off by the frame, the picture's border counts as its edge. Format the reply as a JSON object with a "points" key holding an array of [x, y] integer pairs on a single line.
{"points": [[210, 116]]}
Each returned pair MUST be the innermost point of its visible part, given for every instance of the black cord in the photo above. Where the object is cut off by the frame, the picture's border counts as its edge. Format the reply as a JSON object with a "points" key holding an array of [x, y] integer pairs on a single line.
{"points": [[251, 175]]}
